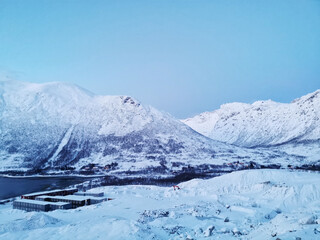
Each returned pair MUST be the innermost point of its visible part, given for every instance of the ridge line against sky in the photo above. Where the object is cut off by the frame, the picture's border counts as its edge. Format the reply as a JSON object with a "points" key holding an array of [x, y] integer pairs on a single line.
{"points": [[183, 57]]}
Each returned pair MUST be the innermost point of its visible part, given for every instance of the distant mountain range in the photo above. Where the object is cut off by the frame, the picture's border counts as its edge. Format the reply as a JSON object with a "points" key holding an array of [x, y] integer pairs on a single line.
{"points": [[61, 128], [291, 129], [263, 123]]}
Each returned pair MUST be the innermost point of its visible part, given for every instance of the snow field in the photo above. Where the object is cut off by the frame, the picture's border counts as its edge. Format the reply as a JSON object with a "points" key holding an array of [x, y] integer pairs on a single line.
{"points": [[255, 204]]}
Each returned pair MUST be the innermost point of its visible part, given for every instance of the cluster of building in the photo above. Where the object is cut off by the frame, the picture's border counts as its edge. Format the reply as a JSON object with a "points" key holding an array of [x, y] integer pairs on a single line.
{"points": [[57, 199]]}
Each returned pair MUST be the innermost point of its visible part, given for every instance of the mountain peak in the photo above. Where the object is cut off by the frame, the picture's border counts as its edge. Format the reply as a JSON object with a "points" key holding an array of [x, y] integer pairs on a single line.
{"points": [[268, 102], [129, 100]]}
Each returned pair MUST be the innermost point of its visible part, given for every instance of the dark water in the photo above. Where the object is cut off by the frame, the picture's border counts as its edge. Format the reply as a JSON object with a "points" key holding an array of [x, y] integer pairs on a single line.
{"points": [[12, 187]]}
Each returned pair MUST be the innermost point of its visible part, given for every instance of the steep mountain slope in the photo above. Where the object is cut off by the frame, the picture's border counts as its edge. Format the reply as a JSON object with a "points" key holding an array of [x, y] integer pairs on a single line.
{"points": [[61, 126], [263, 123]]}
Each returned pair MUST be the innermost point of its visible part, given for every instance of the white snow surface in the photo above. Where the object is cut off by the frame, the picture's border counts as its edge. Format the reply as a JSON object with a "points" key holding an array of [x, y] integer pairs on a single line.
{"points": [[263, 123], [251, 204]]}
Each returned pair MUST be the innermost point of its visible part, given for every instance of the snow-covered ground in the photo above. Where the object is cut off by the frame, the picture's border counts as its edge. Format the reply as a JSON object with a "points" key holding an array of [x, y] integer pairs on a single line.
{"points": [[253, 204]]}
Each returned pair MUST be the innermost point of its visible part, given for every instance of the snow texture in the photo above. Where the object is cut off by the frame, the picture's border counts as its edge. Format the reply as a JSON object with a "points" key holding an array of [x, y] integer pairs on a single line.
{"points": [[252, 204]]}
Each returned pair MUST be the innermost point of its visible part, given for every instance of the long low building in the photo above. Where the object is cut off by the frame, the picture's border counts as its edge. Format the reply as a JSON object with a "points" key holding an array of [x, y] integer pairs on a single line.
{"points": [[57, 199], [75, 201], [59, 192], [34, 205]]}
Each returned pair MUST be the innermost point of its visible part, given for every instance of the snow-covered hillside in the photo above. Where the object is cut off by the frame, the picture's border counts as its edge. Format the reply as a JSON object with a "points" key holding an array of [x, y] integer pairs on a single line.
{"points": [[263, 123], [255, 204], [61, 126]]}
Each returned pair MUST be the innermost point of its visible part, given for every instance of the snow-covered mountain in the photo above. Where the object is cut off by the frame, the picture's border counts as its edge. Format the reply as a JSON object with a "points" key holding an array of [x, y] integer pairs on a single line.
{"points": [[263, 123], [59, 126]]}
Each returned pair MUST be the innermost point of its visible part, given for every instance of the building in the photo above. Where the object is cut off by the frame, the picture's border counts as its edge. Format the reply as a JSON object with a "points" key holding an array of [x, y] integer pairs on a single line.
{"points": [[75, 201], [57, 199], [59, 192], [35, 205], [31, 205], [100, 194]]}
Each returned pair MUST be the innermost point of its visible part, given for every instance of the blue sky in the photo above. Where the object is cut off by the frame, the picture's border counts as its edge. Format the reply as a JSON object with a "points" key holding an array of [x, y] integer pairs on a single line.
{"points": [[180, 56]]}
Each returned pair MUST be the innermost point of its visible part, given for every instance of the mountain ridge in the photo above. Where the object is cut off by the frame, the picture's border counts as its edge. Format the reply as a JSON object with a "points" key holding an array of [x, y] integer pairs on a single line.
{"points": [[262, 123], [61, 128], [58, 125]]}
